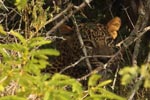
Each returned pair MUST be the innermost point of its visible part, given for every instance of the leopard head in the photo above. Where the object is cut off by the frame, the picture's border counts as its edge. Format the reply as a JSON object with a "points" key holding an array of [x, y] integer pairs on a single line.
{"points": [[113, 26]]}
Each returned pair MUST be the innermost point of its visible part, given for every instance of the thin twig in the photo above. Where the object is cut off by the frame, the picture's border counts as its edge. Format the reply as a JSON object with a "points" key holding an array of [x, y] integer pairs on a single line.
{"points": [[83, 58], [115, 78], [96, 70], [110, 3], [81, 6], [125, 9], [126, 43], [82, 44], [2, 5], [136, 52], [70, 6], [112, 59]]}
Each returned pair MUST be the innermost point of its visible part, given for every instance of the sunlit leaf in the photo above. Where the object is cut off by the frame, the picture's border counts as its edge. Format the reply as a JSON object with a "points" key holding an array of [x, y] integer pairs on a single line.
{"points": [[45, 52], [62, 95], [37, 39], [20, 4], [12, 98], [126, 79], [39, 43], [19, 36], [143, 71], [1, 87], [147, 83], [2, 31], [110, 95], [59, 77], [93, 80], [76, 87], [14, 46], [47, 95], [104, 83]]}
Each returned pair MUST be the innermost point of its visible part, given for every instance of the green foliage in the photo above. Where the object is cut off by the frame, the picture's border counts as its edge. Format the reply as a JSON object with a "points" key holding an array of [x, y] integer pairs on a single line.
{"points": [[12, 98], [39, 15], [145, 73], [97, 92], [20, 4], [2, 32], [129, 74], [22, 62]]}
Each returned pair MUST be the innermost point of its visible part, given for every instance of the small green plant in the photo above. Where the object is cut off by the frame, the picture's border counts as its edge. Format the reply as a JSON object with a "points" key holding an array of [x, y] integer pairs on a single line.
{"points": [[22, 62], [20, 4], [128, 74], [97, 91], [132, 74]]}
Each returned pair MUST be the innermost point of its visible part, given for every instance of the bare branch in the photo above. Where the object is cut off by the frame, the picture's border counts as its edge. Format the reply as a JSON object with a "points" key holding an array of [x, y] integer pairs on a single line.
{"points": [[136, 33], [70, 6], [82, 44], [125, 9], [83, 58], [126, 43], [81, 6], [136, 52]]}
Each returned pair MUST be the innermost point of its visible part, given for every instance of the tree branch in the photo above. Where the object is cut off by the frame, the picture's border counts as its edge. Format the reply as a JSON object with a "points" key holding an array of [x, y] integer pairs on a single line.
{"points": [[78, 8], [82, 45], [83, 58], [136, 33]]}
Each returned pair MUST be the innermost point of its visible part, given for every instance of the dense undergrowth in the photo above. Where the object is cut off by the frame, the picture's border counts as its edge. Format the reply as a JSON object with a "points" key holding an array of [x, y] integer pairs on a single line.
{"points": [[23, 28]]}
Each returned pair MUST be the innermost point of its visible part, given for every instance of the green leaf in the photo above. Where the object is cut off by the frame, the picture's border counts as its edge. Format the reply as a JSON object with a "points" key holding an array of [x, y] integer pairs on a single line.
{"points": [[2, 30], [143, 71], [128, 74], [110, 95], [45, 52], [44, 57], [76, 87], [12, 98], [147, 83], [47, 95], [1, 87], [126, 79], [39, 43], [129, 70], [14, 47], [104, 83], [59, 77], [93, 80], [3, 52], [20, 4], [62, 95], [18, 35]]}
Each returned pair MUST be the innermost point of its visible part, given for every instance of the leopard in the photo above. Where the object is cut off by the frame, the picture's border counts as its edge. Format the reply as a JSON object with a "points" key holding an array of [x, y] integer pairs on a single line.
{"points": [[98, 39]]}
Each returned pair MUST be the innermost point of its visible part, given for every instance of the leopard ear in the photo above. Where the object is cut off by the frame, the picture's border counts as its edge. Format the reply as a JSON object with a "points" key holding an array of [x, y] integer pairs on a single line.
{"points": [[113, 26], [65, 29]]}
